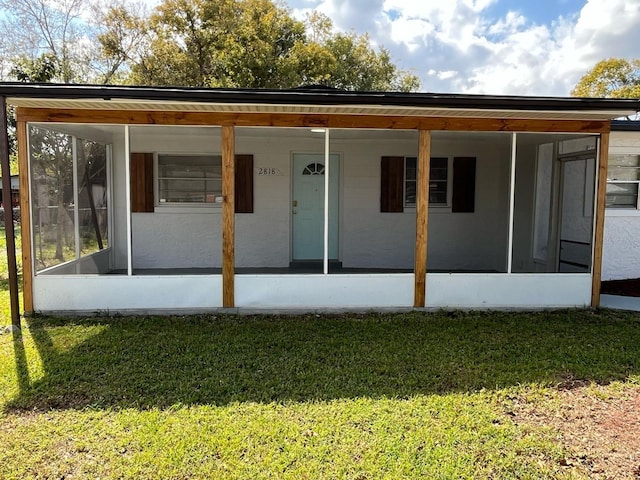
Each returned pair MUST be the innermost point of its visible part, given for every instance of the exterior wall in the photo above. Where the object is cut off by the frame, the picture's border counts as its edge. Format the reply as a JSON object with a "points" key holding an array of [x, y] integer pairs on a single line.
{"points": [[324, 291], [522, 290], [198, 293], [191, 237], [119, 201], [621, 249], [121, 293]]}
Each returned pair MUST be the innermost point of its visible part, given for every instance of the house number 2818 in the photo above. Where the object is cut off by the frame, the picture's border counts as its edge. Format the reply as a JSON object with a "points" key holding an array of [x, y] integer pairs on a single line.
{"points": [[267, 171]]}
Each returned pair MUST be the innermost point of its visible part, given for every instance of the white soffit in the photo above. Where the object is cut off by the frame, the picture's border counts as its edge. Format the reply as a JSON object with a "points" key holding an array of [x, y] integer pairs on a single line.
{"points": [[381, 110]]}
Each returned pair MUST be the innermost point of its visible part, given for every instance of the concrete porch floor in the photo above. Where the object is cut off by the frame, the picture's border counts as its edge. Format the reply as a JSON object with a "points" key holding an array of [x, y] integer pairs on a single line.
{"points": [[259, 271]]}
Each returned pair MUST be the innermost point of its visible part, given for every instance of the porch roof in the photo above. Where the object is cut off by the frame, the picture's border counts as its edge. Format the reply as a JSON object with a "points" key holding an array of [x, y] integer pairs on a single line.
{"points": [[313, 100]]}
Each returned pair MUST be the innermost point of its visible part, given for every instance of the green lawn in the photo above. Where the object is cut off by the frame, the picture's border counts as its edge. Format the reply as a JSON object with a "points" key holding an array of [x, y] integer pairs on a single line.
{"points": [[374, 396], [5, 310], [353, 396]]}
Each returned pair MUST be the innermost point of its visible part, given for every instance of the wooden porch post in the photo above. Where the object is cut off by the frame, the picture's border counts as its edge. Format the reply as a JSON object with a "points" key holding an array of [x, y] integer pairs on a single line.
{"points": [[8, 217], [601, 191], [25, 217], [228, 216], [422, 217]]}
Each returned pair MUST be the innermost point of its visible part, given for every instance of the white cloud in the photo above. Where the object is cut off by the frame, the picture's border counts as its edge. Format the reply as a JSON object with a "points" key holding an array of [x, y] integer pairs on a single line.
{"points": [[461, 46]]}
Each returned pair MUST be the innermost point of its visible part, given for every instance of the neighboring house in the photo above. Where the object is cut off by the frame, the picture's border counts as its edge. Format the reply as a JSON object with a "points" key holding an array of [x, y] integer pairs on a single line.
{"points": [[139, 199], [621, 251], [15, 190], [15, 198]]}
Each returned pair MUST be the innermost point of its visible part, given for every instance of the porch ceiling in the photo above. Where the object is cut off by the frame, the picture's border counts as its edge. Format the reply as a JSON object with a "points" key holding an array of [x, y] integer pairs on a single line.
{"points": [[301, 109]]}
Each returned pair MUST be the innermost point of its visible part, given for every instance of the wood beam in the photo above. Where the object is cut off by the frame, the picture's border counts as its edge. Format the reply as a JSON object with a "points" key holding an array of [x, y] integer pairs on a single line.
{"points": [[422, 217], [140, 117], [228, 216], [601, 191], [9, 231], [25, 218]]}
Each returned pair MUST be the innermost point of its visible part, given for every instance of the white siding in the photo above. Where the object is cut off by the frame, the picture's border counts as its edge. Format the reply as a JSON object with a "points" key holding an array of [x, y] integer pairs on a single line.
{"points": [[621, 249]]}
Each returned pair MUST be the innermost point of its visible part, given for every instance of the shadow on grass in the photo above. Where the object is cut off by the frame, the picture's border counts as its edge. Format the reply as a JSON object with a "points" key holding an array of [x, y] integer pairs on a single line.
{"points": [[22, 365], [163, 361]]}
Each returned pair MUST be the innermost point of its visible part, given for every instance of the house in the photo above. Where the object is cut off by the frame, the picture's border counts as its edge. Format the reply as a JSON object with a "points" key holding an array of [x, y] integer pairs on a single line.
{"points": [[15, 198], [621, 250], [15, 190], [142, 199]]}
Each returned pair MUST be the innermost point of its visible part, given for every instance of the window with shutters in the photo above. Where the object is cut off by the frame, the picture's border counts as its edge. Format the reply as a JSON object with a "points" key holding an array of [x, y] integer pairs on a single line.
{"points": [[184, 180], [451, 183]]}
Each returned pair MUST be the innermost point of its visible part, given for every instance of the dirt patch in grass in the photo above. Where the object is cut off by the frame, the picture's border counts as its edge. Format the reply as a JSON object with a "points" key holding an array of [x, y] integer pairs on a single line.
{"points": [[599, 427]]}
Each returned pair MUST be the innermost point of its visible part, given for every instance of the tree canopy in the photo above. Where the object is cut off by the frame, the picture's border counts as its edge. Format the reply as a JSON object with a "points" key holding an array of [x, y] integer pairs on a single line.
{"points": [[613, 77], [258, 44], [206, 43]]}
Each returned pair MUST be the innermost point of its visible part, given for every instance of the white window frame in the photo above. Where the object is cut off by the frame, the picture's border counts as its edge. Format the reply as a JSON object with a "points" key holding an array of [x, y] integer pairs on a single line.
{"points": [[611, 163], [168, 207], [440, 206]]}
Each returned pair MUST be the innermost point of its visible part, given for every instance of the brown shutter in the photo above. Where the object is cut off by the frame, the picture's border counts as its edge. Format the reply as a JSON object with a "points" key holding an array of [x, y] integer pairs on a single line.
{"points": [[391, 184], [142, 182], [244, 184], [464, 184]]}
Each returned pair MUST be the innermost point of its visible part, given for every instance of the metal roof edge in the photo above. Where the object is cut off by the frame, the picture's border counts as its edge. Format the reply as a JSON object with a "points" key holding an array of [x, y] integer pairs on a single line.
{"points": [[625, 125], [311, 96]]}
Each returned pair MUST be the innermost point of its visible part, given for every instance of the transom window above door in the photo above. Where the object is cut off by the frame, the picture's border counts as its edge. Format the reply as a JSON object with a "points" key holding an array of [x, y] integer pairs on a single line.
{"points": [[313, 169]]}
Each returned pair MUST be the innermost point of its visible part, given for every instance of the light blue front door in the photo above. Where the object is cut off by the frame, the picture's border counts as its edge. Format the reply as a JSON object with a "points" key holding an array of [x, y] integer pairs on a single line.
{"points": [[308, 206]]}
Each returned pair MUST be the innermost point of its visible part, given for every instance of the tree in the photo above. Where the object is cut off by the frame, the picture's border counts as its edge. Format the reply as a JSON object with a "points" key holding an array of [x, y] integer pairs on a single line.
{"points": [[613, 77], [42, 69], [54, 27], [255, 44], [122, 39]]}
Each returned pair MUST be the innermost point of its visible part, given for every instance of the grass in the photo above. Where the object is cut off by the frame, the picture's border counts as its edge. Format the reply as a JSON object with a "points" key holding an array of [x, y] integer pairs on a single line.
{"points": [[371, 396], [5, 311], [359, 397]]}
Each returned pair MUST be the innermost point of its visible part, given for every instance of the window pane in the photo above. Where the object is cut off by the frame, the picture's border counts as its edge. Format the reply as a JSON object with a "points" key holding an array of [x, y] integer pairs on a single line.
{"points": [[438, 180], [439, 163], [623, 173], [622, 195], [92, 196], [437, 197], [624, 160], [410, 193], [51, 160], [190, 178], [411, 169], [577, 145], [438, 192]]}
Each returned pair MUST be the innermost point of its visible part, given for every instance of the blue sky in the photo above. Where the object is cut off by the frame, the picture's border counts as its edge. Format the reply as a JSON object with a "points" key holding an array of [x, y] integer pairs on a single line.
{"points": [[519, 47], [537, 11]]}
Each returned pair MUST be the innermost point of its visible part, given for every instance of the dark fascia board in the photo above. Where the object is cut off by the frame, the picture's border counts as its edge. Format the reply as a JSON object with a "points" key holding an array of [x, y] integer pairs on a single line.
{"points": [[312, 96], [625, 125]]}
